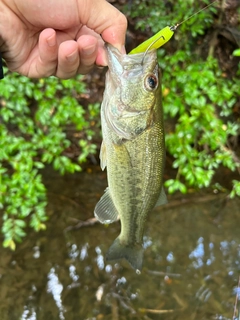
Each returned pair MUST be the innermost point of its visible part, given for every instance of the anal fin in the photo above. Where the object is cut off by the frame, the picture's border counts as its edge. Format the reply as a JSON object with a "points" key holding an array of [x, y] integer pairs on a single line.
{"points": [[162, 199]]}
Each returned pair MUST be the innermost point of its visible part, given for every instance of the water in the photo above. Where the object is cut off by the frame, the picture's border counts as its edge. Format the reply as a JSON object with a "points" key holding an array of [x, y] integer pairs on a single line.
{"points": [[191, 261]]}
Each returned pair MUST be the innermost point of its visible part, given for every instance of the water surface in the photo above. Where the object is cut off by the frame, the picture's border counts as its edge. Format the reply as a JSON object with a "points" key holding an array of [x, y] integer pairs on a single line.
{"points": [[191, 261]]}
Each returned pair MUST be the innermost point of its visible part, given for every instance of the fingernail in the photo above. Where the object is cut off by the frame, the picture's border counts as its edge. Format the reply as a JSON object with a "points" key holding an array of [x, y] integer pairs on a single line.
{"points": [[51, 41], [89, 50], [72, 57]]}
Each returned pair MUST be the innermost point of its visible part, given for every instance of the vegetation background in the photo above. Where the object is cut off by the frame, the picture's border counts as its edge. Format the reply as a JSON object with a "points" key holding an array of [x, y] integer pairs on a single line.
{"points": [[57, 122]]}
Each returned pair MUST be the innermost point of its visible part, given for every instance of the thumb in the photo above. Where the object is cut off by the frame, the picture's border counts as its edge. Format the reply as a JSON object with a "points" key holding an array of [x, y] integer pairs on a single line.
{"points": [[104, 19]]}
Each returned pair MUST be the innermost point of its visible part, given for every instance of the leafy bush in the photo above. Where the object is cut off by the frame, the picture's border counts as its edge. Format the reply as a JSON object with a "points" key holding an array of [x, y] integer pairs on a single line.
{"points": [[197, 94], [34, 118]]}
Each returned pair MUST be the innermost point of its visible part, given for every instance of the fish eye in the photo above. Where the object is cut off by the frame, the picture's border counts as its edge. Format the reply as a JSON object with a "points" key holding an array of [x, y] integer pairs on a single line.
{"points": [[151, 82]]}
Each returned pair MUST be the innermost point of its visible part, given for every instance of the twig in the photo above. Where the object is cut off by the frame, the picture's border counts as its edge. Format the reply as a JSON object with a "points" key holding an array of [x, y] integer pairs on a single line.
{"points": [[86, 223], [123, 303], [155, 311], [180, 301], [115, 315], [197, 199], [163, 274], [62, 197], [236, 301]]}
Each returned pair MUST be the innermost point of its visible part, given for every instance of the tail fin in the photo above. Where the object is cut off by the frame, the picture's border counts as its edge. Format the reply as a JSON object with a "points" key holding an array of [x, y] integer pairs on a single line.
{"points": [[132, 253]]}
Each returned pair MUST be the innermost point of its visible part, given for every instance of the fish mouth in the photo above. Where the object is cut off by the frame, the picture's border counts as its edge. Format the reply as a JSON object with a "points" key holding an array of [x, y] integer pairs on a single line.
{"points": [[123, 63]]}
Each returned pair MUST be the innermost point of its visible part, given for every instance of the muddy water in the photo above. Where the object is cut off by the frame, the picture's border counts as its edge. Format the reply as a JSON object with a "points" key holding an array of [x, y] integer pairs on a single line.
{"points": [[191, 261]]}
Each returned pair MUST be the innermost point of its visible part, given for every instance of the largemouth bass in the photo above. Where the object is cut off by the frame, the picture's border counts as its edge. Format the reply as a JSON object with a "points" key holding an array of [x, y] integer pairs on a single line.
{"points": [[133, 149]]}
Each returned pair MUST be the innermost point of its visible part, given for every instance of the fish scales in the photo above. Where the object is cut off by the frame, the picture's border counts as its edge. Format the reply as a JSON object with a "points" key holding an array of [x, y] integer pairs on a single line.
{"points": [[133, 188], [133, 150]]}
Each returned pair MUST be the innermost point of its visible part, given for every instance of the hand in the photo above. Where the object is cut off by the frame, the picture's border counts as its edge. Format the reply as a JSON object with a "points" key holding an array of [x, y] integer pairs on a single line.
{"points": [[58, 37]]}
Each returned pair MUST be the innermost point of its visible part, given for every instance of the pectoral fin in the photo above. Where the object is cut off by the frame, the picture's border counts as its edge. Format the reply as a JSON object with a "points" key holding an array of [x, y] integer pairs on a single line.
{"points": [[105, 210], [162, 199], [103, 156]]}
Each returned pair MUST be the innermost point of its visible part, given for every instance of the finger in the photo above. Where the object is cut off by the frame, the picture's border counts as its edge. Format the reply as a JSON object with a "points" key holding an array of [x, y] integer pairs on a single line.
{"points": [[101, 57], [48, 52], [68, 59], [98, 15], [103, 18], [88, 48]]}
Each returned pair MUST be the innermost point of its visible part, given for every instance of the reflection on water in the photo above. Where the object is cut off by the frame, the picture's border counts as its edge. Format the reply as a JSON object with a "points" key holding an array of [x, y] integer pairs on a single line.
{"points": [[191, 261], [55, 288], [197, 255]]}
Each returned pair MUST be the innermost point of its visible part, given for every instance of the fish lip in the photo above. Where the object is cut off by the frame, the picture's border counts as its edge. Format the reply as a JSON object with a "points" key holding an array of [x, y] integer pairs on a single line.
{"points": [[119, 63]]}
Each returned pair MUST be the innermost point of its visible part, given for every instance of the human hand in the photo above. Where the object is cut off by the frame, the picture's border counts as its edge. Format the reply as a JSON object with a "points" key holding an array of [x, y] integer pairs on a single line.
{"points": [[62, 38]]}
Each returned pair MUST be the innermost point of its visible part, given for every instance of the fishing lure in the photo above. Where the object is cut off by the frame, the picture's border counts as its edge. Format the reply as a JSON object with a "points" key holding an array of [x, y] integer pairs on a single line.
{"points": [[162, 36], [156, 41]]}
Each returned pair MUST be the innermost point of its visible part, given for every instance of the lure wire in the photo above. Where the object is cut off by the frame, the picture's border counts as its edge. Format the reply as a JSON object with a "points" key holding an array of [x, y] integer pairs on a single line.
{"points": [[210, 4], [174, 28], [149, 47]]}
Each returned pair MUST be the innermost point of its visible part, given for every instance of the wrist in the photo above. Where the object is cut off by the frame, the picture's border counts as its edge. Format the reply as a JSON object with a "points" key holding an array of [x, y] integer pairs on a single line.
{"points": [[2, 19], [2, 43], [1, 68], [5, 25]]}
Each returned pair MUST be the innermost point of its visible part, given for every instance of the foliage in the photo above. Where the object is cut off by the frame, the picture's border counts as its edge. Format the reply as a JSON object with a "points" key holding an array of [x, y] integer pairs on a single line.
{"points": [[155, 15], [34, 119], [196, 94]]}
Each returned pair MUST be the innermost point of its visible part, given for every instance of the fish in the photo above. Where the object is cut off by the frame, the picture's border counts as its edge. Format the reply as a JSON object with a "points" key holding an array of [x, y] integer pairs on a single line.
{"points": [[132, 150]]}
